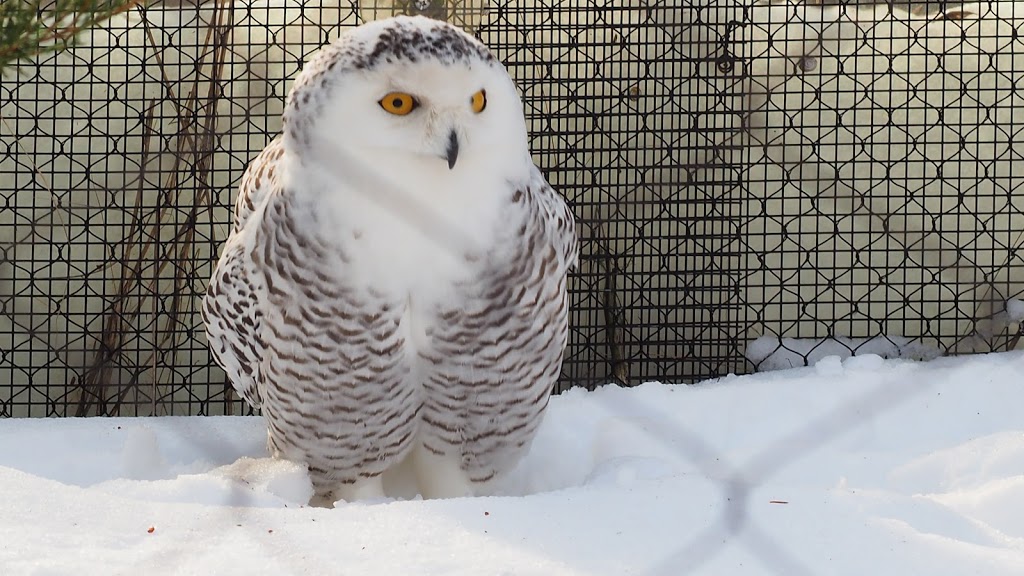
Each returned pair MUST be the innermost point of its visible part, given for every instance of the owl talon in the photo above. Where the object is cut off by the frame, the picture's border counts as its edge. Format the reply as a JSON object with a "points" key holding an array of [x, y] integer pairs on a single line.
{"points": [[440, 476]]}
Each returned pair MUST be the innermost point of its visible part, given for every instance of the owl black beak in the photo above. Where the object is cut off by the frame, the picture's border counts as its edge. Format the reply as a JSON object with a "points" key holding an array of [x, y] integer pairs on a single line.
{"points": [[452, 152]]}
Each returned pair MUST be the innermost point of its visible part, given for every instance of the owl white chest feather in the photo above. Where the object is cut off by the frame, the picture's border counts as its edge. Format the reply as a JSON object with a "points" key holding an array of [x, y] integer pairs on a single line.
{"points": [[411, 238]]}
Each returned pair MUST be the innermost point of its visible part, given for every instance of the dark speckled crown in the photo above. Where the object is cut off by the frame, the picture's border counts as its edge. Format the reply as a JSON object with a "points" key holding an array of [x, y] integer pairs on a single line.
{"points": [[400, 39], [442, 42]]}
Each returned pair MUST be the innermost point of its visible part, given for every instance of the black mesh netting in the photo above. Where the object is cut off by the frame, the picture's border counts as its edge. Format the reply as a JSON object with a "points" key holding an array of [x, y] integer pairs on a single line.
{"points": [[756, 185]]}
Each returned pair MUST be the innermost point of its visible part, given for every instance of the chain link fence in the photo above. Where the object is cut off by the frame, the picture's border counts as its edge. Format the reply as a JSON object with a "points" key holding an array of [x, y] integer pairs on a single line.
{"points": [[756, 184]]}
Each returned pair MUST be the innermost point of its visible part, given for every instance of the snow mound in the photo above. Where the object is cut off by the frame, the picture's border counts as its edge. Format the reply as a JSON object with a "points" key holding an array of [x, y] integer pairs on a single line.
{"points": [[853, 466], [774, 353], [252, 482]]}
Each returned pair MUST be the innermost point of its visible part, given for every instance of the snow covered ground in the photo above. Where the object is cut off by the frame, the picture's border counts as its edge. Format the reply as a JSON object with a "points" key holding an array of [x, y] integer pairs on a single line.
{"points": [[863, 466]]}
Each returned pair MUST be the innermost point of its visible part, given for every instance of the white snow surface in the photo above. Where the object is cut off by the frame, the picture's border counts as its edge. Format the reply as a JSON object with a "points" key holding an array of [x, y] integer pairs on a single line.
{"points": [[862, 466], [1015, 310]]}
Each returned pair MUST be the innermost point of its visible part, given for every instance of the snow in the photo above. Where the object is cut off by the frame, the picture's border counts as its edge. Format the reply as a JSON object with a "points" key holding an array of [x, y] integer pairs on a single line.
{"points": [[848, 467], [774, 353], [1015, 310]]}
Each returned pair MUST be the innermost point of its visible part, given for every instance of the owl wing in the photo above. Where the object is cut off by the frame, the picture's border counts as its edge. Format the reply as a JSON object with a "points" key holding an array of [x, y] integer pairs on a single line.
{"points": [[230, 308], [259, 180], [562, 224]]}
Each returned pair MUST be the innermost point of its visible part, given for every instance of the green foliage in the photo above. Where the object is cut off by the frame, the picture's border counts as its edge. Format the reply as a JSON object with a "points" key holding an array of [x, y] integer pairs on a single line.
{"points": [[32, 27]]}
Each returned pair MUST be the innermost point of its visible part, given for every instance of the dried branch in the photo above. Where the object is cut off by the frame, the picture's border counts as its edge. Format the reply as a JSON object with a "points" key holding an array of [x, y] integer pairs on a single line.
{"points": [[155, 267]]}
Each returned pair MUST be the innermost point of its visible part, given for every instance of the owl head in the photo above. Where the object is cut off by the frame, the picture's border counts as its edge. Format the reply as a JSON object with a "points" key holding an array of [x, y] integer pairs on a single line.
{"points": [[409, 95]]}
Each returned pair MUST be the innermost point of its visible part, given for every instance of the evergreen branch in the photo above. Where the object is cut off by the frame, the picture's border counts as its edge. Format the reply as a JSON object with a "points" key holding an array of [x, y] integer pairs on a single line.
{"points": [[29, 28]]}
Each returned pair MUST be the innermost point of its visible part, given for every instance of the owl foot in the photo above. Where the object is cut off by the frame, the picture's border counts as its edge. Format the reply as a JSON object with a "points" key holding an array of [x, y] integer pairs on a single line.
{"points": [[440, 476], [366, 489]]}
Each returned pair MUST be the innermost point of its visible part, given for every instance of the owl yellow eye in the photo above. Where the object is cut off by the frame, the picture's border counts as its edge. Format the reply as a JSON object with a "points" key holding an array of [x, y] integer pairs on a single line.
{"points": [[479, 101], [398, 103]]}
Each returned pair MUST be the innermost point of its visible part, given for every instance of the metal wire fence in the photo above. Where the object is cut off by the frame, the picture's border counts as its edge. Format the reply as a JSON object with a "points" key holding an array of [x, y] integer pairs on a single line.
{"points": [[756, 184]]}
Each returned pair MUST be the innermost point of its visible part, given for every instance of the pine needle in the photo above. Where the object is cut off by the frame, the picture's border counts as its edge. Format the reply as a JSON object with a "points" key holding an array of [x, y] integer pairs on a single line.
{"points": [[29, 28]]}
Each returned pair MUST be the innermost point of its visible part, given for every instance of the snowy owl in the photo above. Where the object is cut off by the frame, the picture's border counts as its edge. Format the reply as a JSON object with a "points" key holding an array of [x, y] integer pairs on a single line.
{"points": [[393, 292]]}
